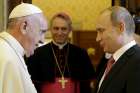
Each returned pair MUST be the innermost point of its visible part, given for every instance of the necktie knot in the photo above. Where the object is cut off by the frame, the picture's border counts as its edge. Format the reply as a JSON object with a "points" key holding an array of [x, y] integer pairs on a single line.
{"points": [[110, 62]]}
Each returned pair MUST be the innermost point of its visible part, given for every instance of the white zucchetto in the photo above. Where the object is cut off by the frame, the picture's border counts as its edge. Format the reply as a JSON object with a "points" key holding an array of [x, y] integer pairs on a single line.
{"points": [[24, 9]]}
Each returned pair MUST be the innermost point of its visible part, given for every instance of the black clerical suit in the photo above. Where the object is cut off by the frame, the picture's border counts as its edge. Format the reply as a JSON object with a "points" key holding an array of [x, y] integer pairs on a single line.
{"points": [[124, 77], [42, 65]]}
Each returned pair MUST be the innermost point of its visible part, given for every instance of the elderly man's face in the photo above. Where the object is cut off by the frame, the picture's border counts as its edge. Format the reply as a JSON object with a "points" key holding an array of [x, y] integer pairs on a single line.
{"points": [[60, 30], [107, 34], [36, 34]]}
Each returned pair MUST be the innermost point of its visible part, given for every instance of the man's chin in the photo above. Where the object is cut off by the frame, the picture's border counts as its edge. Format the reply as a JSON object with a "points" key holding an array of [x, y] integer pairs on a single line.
{"points": [[28, 54], [105, 50], [60, 42]]}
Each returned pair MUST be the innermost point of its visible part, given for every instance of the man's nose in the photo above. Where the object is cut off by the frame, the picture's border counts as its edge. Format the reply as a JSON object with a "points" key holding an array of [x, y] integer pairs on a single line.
{"points": [[42, 38], [60, 31], [98, 37]]}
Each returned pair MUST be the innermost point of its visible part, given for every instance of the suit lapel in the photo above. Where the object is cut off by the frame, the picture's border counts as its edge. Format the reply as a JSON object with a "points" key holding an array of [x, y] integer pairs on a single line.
{"points": [[117, 68]]}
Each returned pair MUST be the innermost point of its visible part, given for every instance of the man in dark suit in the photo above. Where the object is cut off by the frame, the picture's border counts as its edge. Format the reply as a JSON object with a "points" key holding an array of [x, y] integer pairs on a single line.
{"points": [[115, 29], [60, 61]]}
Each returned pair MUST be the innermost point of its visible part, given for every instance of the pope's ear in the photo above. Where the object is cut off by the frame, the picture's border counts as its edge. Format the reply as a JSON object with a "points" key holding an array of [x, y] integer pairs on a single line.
{"points": [[23, 27]]}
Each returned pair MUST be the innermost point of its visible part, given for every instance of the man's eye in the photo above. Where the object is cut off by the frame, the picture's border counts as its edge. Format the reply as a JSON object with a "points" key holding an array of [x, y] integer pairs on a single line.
{"points": [[56, 28], [100, 29], [42, 31], [63, 28]]}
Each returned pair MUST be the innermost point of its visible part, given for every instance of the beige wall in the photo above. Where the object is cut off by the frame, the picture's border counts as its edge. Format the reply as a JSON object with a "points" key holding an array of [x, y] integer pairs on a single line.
{"points": [[2, 14], [82, 12]]}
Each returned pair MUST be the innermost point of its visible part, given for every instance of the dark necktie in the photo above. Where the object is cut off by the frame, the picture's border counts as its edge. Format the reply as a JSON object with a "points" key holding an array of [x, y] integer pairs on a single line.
{"points": [[109, 66]]}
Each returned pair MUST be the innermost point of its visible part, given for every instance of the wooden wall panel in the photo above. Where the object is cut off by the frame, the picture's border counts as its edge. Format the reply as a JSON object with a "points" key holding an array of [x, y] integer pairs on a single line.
{"points": [[87, 40]]}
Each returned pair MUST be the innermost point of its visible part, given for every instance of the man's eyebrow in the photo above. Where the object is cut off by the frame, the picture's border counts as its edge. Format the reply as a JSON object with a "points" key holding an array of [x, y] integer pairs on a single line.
{"points": [[43, 30], [100, 29]]}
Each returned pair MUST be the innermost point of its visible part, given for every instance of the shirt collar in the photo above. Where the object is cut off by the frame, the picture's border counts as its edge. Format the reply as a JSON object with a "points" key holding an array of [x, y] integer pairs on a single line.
{"points": [[13, 42], [123, 49], [59, 45]]}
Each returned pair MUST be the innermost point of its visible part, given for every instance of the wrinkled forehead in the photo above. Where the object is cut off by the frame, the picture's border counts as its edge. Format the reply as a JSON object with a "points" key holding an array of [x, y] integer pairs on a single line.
{"points": [[38, 23], [41, 21], [59, 23]]}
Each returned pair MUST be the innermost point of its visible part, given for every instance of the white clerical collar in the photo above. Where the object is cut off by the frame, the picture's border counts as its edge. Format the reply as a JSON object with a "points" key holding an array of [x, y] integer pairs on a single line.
{"points": [[15, 44], [60, 45], [123, 49]]}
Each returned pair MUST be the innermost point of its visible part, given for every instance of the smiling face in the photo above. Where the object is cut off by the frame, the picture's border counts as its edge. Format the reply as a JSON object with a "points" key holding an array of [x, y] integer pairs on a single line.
{"points": [[107, 34], [36, 28], [60, 30]]}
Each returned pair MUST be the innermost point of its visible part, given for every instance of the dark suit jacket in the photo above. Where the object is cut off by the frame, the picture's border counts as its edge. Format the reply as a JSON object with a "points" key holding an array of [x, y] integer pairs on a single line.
{"points": [[42, 64], [101, 66], [124, 77]]}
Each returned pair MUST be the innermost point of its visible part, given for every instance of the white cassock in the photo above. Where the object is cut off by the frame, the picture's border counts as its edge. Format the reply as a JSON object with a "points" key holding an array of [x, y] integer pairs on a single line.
{"points": [[14, 77]]}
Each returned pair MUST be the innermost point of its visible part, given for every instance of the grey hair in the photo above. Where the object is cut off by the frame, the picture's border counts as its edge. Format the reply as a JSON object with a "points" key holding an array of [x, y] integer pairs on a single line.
{"points": [[11, 22], [120, 13]]}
